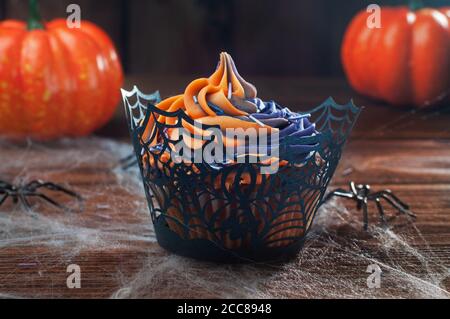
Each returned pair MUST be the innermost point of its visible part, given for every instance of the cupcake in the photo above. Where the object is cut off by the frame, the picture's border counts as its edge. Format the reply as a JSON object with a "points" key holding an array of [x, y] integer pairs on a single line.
{"points": [[228, 174]]}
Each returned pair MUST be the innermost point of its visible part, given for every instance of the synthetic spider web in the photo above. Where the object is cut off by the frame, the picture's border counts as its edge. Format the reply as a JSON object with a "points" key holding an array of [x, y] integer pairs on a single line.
{"points": [[113, 242]]}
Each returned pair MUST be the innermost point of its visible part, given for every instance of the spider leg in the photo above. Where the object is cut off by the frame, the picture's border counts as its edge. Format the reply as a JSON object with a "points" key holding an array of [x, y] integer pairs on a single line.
{"points": [[4, 197], [128, 162], [23, 200], [47, 199], [54, 187], [359, 204], [381, 212], [365, 214], [396, 205], [127, 159], [33, 184], [126, 166], [4, 185], [405, 206], [393, 197], [339, 193], [353, 188]]}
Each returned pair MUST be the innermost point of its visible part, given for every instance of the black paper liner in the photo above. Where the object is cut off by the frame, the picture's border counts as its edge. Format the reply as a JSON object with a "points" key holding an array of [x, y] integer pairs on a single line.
{"points": [[232, 212]]}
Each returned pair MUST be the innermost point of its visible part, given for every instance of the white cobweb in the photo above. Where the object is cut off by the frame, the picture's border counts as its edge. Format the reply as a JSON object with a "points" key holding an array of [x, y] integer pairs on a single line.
{"points": [[113, 242]]}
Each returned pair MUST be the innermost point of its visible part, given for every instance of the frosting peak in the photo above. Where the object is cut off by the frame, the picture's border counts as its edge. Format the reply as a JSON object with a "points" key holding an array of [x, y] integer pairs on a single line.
{"points": [[224, 99], [225, 92], [228, 77]]}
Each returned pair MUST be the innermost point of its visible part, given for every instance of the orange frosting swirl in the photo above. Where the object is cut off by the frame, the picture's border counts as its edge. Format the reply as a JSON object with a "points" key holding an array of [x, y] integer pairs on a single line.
{"points": [[221, 100]]}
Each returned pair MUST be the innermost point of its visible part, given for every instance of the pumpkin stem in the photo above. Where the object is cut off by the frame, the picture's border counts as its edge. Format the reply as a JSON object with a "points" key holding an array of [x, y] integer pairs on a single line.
{"points": [[415, 5], [34, 20]]}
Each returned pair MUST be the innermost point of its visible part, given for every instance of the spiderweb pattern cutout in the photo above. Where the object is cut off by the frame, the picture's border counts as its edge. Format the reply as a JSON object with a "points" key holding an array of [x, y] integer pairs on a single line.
{"points": [[234, 206], [116, 233]]}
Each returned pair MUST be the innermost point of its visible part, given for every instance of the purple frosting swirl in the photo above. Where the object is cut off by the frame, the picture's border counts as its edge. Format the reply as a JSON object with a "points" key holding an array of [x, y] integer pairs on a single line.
{"points": [[292, 126]]}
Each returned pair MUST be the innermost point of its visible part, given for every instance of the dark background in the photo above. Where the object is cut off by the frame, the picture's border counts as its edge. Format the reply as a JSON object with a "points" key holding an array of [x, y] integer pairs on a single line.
{"points": [[274, 38]]}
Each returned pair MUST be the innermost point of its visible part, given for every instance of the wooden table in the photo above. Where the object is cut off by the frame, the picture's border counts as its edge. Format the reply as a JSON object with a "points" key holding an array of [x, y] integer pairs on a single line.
{"points": [[400, 149]]}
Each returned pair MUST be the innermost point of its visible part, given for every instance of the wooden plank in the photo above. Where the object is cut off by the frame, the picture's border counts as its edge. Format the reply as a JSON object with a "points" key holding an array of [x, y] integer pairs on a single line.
{"points": [[396, 162], [47, 278]]}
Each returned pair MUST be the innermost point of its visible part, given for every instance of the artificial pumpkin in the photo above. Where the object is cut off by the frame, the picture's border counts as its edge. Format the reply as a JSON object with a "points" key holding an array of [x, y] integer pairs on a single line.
{"points": [[406, 61], [56, 81]]}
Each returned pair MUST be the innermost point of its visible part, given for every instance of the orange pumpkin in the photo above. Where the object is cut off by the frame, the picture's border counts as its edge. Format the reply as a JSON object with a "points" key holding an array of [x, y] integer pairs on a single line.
{"points": [[56, 81], [406, 61]]}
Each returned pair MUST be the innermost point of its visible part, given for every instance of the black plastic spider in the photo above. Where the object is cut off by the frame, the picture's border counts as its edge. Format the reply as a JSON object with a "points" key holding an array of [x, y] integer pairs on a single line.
{"points": [[362, 194], [21, 193]]}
